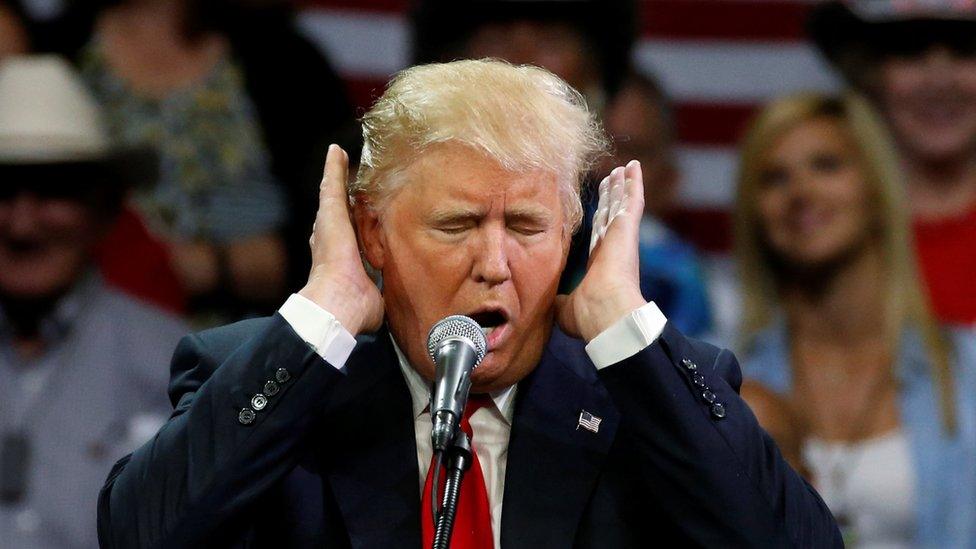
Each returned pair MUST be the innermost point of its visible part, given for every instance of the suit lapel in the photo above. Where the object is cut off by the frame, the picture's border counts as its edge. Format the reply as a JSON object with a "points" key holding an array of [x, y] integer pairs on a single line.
{"points": [[374, 475], [553, 463]]}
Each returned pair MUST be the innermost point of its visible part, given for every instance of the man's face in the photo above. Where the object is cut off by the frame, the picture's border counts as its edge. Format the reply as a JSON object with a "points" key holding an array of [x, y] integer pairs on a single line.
{"points": [[930, 100], [45, 244], [464, 236]]}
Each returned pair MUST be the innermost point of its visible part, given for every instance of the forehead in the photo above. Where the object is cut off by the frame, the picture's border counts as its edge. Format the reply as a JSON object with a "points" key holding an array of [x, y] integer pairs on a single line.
{"points": [[451, 172], [811, 135]]}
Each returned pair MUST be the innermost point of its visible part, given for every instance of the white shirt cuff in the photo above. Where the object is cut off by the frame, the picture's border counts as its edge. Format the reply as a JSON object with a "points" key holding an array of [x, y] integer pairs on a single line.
{"points": [[627, 336], [319, 329]]}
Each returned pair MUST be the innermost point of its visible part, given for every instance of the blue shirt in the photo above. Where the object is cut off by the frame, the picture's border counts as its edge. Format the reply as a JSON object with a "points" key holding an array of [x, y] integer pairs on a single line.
{"points": [[945, 466]]}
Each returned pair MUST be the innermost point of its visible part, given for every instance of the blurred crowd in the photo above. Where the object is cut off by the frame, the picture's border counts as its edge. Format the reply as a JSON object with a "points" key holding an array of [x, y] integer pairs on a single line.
{"points": [[159, 167]]}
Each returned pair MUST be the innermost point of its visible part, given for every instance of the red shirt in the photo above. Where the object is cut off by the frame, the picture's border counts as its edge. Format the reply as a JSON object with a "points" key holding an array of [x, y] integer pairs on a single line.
{"points": [[132, 260], [946, 251]]}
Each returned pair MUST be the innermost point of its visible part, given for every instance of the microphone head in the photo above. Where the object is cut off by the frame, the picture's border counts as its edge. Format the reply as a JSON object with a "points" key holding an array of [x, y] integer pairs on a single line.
{"points": [[457, 326]]}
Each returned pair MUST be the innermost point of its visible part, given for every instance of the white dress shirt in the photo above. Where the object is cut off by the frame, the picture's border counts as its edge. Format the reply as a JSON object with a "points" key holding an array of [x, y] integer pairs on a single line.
{"points": [[491, 426]]}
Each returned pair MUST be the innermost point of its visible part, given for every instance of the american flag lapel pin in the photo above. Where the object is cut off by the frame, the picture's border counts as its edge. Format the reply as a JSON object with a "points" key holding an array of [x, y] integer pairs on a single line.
{"points": [[589, 422]]}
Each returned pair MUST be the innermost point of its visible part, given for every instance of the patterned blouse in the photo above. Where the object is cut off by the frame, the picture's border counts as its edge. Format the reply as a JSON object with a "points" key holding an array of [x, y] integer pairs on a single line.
{"points": [[215, 182]]}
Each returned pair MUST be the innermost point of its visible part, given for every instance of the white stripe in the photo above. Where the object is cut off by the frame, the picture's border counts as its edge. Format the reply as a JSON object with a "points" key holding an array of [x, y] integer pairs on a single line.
{"points": [[375, 45], [707, 176], [733, 72], [359, 44]]}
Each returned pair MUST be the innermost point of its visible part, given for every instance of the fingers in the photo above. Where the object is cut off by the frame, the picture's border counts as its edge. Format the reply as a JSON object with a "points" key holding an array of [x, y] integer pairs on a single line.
{"points": [[332, 221], [333, 186], [600, 216], [621, 193]]}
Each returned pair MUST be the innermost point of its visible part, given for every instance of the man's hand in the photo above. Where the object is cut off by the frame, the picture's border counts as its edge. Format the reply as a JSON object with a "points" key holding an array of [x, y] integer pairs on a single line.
{"points": [[338, 281], [611, 287]]}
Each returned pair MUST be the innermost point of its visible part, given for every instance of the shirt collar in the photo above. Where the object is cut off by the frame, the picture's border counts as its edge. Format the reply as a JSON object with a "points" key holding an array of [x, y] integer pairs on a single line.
{"points": [[67, 312], [420, 389]]}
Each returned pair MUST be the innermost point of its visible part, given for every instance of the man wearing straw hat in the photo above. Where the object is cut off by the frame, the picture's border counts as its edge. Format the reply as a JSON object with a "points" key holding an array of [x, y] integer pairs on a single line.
{"points": [[82, 375]]}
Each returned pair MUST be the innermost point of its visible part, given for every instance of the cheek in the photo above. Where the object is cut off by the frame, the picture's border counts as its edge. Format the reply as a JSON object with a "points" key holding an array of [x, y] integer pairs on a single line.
{"points": [[770, 209], [536, 269]]}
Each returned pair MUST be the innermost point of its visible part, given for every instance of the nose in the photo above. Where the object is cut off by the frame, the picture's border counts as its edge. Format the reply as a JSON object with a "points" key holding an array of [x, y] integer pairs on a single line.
{"points": [[22, 215], [491, 264]]}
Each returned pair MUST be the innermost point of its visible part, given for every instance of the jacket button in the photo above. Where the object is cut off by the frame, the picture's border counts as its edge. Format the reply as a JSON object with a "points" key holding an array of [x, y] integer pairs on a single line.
{"points": [[708, 396], [699, 380], [282, 375], [246, 417], [689, 365], [271, 388], [259, 401], [718, 410]]}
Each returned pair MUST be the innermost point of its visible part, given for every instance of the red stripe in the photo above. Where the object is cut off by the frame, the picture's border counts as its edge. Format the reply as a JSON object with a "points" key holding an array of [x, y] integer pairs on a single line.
{"points": [[709, 229], [724, 19], [711, 123], [775, 20]]}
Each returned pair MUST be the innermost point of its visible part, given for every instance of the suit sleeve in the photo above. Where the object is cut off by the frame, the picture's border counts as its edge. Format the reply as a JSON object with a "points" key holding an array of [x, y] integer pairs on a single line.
{"points": [[701, 450], [213, 458]]}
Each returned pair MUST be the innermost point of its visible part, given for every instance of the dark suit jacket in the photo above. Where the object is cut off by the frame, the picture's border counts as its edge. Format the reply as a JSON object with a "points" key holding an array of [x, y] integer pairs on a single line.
{"points": [[331, 461]]}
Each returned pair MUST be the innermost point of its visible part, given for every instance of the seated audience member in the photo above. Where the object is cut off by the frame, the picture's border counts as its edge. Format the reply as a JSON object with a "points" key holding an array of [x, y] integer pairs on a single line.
{"points": [[239, 122], [844, 364], [917, 62], [640, 125], [82, 375]]}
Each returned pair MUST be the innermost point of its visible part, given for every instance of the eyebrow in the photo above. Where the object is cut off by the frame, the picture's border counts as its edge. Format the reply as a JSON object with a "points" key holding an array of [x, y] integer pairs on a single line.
{"points": [[454, 215], [530, 214], [523, 213]]}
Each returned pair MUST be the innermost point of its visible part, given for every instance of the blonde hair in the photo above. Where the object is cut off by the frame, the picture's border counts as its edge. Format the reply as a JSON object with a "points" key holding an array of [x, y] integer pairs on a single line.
{"points": [[905, 304], [523, 117]]}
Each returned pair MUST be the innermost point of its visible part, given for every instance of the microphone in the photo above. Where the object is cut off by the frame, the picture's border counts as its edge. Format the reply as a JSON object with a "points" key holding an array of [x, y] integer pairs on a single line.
{"points": [[457, 344]]}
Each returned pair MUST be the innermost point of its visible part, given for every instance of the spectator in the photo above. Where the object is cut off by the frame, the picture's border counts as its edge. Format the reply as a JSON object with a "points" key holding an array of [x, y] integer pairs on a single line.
{"points": [[917, 62], [844, 364], [152, 278], [640, 125], [80, 376], [240, 123]]}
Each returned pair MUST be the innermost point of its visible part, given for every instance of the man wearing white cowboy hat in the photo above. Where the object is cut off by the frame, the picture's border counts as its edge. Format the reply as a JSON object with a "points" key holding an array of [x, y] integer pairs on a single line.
{"points": [[80, 381], [917, 61]]}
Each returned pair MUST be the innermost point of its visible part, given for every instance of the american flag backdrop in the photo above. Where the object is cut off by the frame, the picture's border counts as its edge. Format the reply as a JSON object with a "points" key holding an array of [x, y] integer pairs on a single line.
{"points": [[717, 59]]}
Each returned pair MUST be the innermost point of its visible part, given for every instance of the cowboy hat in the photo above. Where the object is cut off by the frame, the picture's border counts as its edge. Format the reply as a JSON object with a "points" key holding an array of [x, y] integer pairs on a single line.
{"points": [[50, 123], [854, 32]]}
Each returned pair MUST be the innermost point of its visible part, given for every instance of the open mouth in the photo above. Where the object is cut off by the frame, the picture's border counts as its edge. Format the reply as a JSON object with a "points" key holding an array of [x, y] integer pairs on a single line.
{"points": [[489, 320]]}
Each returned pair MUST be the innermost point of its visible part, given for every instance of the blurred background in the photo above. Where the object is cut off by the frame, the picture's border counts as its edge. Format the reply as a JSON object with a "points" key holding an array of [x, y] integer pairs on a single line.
{"points": [[810, 187]]}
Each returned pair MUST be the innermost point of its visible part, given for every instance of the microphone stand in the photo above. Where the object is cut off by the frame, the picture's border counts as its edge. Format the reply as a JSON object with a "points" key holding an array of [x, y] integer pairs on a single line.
{"points": [[458, 456]]}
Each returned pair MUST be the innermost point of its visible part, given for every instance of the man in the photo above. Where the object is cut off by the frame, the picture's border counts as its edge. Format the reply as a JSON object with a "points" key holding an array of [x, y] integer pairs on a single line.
{"points": [[81, 377], [284, 434], [917, 62]]}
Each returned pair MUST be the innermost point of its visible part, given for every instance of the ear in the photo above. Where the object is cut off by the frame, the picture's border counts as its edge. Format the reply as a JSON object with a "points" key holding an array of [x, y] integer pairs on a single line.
{"points": [[369, 228]]}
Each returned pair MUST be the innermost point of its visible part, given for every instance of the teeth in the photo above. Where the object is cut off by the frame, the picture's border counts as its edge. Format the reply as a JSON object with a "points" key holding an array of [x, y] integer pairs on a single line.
{"points": [[488, 331]]}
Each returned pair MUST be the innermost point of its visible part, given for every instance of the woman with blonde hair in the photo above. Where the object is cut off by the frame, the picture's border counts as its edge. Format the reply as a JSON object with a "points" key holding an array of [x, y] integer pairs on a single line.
{"points": [[843, 363]]}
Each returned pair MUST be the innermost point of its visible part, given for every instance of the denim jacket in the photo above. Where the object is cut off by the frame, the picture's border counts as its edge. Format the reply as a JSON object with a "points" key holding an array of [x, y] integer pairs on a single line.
{"points": [[945, 466]]}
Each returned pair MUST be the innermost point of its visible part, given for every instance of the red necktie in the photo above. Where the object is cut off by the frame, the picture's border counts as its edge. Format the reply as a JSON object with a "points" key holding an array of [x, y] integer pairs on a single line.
{"points": [[472, 524]]}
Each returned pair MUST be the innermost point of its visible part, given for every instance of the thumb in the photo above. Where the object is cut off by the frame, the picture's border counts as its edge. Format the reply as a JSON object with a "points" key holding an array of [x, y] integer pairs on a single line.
{"points": [[565, 317]]}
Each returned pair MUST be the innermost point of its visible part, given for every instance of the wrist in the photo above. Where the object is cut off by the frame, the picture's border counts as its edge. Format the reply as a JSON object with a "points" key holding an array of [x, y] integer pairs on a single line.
{"points": [[346, 310], [608, 312]]}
